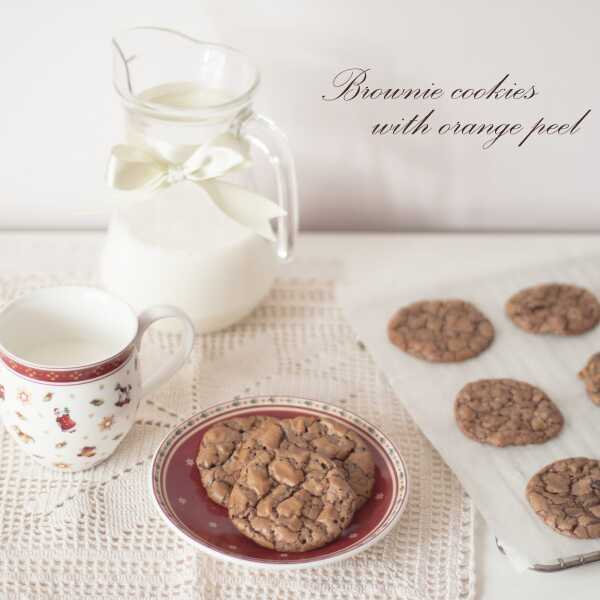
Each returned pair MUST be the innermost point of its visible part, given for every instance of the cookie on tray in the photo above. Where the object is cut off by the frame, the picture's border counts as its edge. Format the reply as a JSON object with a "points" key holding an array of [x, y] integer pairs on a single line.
{"points": [[554, 308], [566, 496], [591, 377], [441, 330], [289, 498], [506, 412], [338, 443], [219, 459]]}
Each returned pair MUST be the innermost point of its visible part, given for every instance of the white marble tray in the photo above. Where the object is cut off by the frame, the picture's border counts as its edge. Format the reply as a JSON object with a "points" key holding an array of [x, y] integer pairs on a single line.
{"points": [[495, 478]]}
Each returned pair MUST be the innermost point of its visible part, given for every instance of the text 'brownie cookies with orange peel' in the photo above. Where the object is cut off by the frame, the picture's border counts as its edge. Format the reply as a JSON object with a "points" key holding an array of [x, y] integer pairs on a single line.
{"points": [[441, 330], [287, 497]]}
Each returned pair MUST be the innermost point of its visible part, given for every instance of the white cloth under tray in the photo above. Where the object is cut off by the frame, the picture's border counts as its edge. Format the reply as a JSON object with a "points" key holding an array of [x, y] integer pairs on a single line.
{"points": [[96, 534]]}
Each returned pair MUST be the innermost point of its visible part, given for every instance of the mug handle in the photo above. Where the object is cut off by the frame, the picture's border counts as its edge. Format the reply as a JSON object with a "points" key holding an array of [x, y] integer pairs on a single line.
{"points": [[171, 366]]}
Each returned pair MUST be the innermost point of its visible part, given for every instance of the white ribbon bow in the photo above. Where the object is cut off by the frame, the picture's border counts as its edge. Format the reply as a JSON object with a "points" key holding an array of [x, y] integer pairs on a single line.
{"points": [[131, 168]]}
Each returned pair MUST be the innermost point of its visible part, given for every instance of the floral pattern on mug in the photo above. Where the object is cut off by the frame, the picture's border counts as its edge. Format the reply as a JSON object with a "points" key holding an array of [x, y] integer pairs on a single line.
{"points": [[23, 396], [42, 420], [24, 437], [87, 451], [106, 423]]}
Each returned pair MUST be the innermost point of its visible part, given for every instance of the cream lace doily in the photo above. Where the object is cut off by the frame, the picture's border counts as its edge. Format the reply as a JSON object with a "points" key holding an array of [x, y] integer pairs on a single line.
{"points": [[96, 534]]}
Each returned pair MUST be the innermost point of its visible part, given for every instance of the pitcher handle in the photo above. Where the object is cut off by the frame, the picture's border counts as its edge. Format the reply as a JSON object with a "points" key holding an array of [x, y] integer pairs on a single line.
{"points": [[272, 142], [171, 366]]}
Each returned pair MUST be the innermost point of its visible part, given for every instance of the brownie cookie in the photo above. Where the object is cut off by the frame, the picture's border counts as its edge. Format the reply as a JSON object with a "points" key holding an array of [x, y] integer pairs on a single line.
{"points": [[566, 495], [338, 443], [219, 460], [554, 308], [591, 376], [441, 330], [505, 412], [289, 498]]}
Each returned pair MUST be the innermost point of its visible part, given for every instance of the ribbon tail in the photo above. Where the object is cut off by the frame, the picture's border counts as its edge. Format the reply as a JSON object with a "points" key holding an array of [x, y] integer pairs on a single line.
{"points": [[131, 169], [245, 207]]}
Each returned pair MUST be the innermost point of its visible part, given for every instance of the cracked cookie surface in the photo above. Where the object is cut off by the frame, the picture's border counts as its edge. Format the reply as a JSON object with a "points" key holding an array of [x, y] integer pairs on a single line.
{"points": [[219, 460], [506, 412], [338, 443], [287, 497], [441, 330], [554, 308], [590, 375], [566, 496]]}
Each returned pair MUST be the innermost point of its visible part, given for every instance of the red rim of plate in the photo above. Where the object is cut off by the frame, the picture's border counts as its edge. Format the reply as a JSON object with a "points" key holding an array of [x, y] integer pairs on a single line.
{"points": [[384, 446]]}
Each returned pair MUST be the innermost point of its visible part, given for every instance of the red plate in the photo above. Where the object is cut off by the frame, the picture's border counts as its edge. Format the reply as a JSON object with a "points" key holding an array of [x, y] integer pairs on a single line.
{"points": [[182, 501]]}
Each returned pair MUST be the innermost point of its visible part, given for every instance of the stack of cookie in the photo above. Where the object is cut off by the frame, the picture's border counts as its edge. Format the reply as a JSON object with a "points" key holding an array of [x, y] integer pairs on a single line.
{"points": [[503, 412], [291, 485]]}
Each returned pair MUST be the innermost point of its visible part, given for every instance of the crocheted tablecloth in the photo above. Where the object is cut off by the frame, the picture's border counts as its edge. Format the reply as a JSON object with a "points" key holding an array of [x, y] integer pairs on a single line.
{"points": [[96, 534]]}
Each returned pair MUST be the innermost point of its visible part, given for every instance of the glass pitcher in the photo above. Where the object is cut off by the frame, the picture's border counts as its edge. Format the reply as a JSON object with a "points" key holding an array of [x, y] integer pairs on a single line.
{"points": [[175, 237]]}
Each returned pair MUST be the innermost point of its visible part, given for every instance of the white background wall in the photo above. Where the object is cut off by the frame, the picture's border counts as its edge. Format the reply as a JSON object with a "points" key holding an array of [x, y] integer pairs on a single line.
{"points": [[59, 113]]}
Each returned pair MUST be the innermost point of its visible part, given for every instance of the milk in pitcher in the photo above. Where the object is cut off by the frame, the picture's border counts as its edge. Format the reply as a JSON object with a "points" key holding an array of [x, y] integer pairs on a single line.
{"points": [[175, 245]]}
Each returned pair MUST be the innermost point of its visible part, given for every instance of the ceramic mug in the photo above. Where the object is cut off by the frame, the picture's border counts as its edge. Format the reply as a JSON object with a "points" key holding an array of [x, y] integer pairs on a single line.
{"points": [[70, 382]]}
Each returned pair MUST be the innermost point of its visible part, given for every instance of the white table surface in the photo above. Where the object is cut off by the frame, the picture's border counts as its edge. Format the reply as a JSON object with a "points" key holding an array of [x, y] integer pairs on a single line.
{"points": [[420, 259]]}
